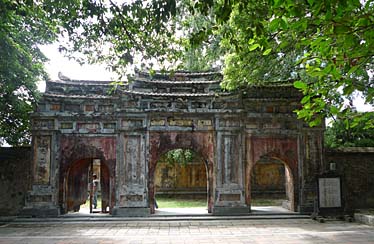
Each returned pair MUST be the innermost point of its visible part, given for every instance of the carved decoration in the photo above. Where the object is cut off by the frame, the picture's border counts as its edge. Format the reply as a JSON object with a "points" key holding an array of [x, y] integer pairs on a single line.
{"points": [[132, 123], [42, 159], [134, 165], [44, 124], [230, 160]]}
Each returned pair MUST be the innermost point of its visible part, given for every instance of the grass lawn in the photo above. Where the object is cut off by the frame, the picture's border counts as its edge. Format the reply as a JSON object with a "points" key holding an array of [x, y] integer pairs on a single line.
{"points": [[173, 202], [168, 202], [266, 202]]}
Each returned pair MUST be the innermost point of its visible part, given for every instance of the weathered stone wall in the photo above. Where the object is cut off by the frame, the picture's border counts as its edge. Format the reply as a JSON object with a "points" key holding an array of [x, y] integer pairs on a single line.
{"points": [[356, 166], [130, 129], [268, 179], [178, 179], [15, 177]]}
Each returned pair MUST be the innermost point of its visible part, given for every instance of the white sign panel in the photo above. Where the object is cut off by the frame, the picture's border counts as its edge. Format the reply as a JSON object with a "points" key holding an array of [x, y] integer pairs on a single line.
{"points": [[329, 193]]}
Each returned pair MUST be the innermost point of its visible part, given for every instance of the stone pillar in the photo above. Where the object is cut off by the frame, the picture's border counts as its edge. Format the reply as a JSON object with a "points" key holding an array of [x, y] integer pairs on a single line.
{"points": [[229, 173], [311, 165], [131, 184], [41, 200]]}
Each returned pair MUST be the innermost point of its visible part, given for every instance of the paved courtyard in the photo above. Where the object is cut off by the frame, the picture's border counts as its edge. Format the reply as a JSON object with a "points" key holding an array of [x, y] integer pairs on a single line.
{"points": [[196, 231]]}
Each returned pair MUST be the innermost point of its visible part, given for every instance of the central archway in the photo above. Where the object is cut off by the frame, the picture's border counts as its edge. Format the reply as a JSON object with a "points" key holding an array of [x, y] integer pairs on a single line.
{"points": [[181, 183], [200, 142]]}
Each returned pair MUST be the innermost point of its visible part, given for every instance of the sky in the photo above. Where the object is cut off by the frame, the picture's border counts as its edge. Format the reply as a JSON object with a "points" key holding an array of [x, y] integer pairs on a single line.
{"points": [[70, 68], [73, 70]]}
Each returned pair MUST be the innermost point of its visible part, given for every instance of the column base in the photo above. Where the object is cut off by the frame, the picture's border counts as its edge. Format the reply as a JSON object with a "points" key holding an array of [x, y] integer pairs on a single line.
{"points": [[131, 212], [40, 212]]}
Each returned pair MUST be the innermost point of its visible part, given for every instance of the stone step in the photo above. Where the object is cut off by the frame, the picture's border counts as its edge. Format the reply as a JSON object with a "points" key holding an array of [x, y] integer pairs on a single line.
{"points": [[108, 218]]}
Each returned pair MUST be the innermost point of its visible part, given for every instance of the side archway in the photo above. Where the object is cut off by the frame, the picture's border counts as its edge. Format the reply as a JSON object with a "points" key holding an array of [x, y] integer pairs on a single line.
{"points": [[281, 149], [272, 178], [77, 154]]}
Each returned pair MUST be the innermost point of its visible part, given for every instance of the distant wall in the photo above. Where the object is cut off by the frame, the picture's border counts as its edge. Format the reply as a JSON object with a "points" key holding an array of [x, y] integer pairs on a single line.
{"points": [[268, 179], [356, 166], [190, 178], [15, 177]]}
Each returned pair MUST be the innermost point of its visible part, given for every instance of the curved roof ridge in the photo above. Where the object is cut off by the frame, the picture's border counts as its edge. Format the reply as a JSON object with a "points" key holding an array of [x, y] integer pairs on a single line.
{"points": [[179, 72], [165, 81], [82, 82], [162, 94]]}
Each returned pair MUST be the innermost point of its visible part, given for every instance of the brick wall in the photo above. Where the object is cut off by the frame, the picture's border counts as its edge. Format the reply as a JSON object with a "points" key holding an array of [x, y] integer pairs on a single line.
{"points": [[15, 176], [356, 166]]}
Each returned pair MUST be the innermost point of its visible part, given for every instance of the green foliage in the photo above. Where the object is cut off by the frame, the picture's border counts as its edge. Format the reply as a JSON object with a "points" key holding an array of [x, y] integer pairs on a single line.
{"points": [[352, 131], [327, 45], [208, 54], [179, 156], [23, 25], [120, 34], [324, 47]]}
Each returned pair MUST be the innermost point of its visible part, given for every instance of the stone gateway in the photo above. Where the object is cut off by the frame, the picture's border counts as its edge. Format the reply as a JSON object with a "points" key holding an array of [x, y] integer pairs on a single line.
{"points": [[79, 124]]}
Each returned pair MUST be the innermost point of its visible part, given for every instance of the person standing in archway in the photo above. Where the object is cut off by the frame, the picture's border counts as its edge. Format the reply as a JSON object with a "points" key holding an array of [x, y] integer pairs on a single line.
{"points": [[95, 185]]}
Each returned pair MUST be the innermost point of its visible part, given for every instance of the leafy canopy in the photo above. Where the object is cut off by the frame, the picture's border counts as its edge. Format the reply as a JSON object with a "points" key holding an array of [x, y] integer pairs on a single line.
{"points": [[350, 132], [23, 25], [324, 47], [102, 31]]}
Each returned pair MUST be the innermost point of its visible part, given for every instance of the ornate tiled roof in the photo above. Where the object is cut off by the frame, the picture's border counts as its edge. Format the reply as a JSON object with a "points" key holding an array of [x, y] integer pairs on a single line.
{"points": [[158, 84], [177, 84]]}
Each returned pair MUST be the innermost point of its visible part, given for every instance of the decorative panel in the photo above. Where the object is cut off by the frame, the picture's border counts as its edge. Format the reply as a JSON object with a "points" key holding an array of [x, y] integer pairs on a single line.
{"points": [[109, 125], [130, 198], [229, 197], [230, 159], [180, 122], [72, 107], [89, 127], [42, 159], [229, 123], [66, 125], [132, 123], [89, 108], [40, 198], [55, 107], [133, 160], [106, 108], [43, 124], [202, 123], [157, 122]]}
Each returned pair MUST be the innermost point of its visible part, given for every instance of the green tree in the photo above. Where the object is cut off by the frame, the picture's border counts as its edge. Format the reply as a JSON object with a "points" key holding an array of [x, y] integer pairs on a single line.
{"points": [[23, 25], [325, 46], [179, 156], [103, 31], [350, 132], [206, 55]]}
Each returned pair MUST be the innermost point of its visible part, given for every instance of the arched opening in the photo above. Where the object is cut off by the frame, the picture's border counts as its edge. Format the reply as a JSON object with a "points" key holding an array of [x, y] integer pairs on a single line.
{"points": [[86, 187], [272, 186], [181, 183]]}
